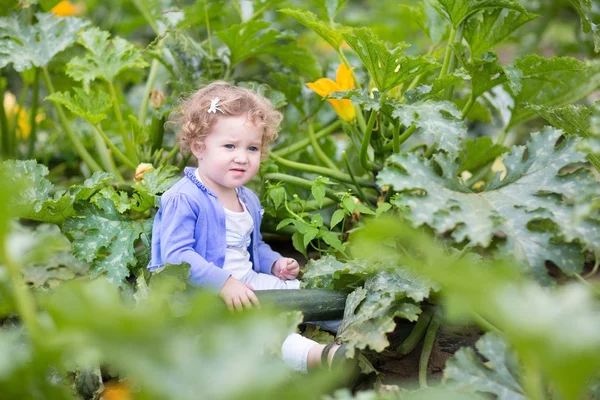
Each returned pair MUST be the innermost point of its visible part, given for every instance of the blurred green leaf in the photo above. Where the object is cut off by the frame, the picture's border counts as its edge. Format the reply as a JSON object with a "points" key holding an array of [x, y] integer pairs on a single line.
{"points": [[91, 105], [456, 11], [429, 20], [176, 352], [27, 46], [509, 205], [565, 87], [486, 30], [479, 152], [254, 38], [311, 21], [330, 7], [466, 372], [439, 121], [585, 10], [388, 68], [35, 200], [553, 330], [104, 58], [26, 370]]}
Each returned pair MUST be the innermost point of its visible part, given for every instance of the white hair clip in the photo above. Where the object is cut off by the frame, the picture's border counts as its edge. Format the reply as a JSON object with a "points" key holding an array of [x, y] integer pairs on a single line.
{"points": [[214, 106]]}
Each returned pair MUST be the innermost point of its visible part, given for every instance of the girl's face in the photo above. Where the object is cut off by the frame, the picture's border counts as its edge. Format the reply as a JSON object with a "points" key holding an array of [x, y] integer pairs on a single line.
{"points": [[230, 155]]}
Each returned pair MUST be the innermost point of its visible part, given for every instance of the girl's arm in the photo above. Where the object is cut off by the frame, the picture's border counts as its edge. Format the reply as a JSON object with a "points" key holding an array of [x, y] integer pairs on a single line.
{"points": [[178, 217]]}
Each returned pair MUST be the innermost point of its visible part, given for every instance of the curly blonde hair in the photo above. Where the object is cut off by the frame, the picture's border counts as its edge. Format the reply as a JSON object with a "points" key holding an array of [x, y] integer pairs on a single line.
{"points": [[195, 122]]}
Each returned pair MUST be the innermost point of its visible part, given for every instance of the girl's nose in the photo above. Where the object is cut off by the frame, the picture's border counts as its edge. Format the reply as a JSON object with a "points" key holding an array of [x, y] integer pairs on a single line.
{"points": [[241, 158]]}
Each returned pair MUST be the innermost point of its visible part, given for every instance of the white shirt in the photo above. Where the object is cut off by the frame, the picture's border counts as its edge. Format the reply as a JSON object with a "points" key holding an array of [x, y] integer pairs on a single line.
{"points": [[238, 231]]}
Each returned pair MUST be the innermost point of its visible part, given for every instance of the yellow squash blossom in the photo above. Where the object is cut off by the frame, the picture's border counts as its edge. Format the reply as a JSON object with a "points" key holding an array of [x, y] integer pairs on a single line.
{"points": [[66, 9], [11, 108], [343, 81]]}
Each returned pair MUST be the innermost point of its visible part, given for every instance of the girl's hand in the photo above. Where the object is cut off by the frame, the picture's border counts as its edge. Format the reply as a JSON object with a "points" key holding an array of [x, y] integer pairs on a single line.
{"points": [[285, 268], [238, 295]]}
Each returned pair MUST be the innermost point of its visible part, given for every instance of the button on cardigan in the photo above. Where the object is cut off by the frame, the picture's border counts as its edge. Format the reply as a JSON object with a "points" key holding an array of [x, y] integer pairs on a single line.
{"points": [[190, 227]]}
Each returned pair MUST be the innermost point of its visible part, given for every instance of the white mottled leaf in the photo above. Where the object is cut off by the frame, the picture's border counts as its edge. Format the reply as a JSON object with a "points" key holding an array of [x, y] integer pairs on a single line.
{"points": [[519, 205], [438, 120]]}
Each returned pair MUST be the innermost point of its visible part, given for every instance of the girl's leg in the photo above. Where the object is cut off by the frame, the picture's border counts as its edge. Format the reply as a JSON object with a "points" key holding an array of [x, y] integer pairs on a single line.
{"points": [[268, 282], [302, 354]]}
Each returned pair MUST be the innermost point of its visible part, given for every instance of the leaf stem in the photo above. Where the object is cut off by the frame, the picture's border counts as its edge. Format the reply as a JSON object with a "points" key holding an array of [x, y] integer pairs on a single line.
{"points": [[406, 134], [114, 148], [32, 118], [24, 300], [301, 182], [396, 139], [143, 111], [302, 144], [434, 325], [366, 140], [79, 147], [417, 333], [448, 54], [104, 155], [129, 148], [532, 380], [468, 106], [208, 33], [5, 143], [356, 185], [340, 176], [317, 148]]}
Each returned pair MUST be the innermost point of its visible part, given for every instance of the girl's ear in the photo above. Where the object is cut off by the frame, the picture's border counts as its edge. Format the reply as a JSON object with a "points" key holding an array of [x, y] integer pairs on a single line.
{"points": [[197, 148]]}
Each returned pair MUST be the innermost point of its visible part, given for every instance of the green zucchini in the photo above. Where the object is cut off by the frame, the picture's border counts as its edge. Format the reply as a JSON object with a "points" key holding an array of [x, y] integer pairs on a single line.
{"points": [[315, 304]]}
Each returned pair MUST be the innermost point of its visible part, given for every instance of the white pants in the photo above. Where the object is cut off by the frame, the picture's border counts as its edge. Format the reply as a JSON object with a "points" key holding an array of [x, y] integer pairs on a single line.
{"points": [[295, 347]]}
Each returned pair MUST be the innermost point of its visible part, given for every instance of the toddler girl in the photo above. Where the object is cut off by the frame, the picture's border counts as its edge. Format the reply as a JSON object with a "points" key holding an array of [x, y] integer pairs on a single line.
{"points": [[212, 222]]}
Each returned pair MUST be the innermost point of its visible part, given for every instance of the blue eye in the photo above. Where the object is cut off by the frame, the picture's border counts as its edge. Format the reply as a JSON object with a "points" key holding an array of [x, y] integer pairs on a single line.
{"points": [[229, 146], [253, 148]]}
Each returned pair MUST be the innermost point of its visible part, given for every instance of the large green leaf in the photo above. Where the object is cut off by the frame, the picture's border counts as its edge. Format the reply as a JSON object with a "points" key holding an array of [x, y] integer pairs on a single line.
{"points": [[490, 28], [369, 317], [465, 371], [564, 87], [36, 201], [456, 11], [104, 59], [539, 68], [388, 68], [254, 38], [27, 46], [440, 121], [515, 205], [158, 180], [533, 70], [585, 9], [329, 273], [311, 21], [89, 105], [105, 238]]}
